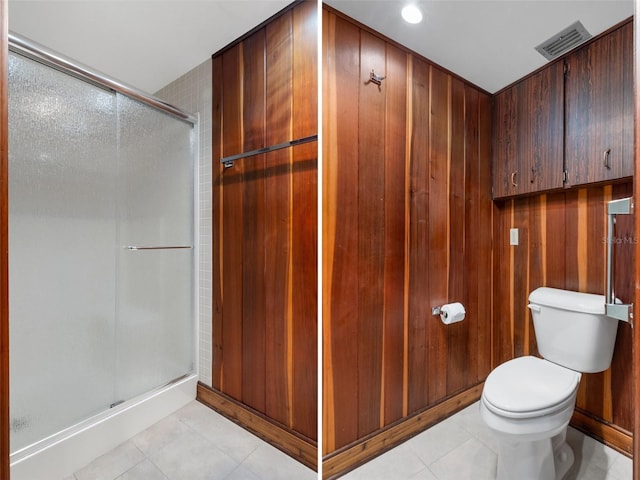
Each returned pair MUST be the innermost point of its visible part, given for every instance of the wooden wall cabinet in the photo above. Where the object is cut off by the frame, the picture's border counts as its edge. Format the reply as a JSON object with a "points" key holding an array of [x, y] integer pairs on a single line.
{"points": [[528, 126], [579, 122], [599, 110]]}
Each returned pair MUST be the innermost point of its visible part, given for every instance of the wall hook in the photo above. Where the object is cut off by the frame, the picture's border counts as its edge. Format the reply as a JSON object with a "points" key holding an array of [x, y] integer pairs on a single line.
{"points": [[377, 79]]}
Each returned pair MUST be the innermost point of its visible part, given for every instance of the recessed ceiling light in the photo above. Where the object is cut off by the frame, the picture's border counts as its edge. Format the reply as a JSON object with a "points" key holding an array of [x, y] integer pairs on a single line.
{"points": [[411, 14]]}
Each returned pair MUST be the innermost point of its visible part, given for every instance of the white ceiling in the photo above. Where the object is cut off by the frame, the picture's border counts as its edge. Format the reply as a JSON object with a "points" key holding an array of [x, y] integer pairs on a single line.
{"points": [[490, 43], [144, 43], [149, 43]]}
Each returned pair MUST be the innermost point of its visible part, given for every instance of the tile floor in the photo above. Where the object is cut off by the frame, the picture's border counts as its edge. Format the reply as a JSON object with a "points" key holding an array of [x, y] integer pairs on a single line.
{"points": [[195, 443], [461, 448]]}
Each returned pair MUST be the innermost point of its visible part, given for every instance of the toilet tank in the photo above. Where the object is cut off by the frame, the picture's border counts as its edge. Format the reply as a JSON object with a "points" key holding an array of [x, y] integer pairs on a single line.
{"points": [[572, 329]]}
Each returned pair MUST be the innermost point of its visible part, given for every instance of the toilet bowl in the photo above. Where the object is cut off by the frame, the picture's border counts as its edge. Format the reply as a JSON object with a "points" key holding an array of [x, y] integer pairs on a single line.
{"points": [[527, 402]]}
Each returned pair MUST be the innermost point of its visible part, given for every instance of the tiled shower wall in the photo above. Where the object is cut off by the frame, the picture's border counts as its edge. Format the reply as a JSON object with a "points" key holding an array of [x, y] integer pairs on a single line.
{"points": [[192, 93]]}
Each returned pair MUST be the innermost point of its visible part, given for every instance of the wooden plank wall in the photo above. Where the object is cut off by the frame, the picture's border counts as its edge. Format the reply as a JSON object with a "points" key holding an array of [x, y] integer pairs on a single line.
{"points": [[4, 247], [407, 217], [562, 245], [636, 336], [265, 222]]}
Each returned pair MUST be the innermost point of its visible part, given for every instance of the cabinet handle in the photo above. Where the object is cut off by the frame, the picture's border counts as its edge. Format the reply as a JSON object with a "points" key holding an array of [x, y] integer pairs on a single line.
{"points": [[606, 158], [533, 174], [513, 179]]}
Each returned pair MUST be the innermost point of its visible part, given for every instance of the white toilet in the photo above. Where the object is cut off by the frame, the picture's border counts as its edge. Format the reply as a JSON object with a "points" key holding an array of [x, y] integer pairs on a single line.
{"points": [[527, 402]]}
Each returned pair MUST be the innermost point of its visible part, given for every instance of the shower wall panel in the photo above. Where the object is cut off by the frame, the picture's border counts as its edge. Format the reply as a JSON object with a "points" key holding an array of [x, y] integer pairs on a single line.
{"points": [[407, 220], [265, 223]]}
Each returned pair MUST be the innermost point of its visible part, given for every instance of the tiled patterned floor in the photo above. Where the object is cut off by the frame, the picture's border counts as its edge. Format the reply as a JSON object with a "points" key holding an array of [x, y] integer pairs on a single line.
{"points": [[461, 448], [195, 443]]}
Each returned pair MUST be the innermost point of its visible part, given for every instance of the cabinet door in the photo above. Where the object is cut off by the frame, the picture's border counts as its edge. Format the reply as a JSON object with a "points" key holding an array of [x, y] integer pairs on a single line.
{"points": [[528, 121], [506, 175], [599, 114]]}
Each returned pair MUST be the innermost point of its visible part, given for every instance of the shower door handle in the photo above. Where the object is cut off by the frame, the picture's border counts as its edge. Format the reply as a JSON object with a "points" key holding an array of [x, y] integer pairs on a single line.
{"points": [[619, 311]]}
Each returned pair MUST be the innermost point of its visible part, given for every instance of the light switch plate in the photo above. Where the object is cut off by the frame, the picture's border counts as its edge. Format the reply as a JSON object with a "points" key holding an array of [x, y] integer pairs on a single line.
{"points": [[513, 236]]}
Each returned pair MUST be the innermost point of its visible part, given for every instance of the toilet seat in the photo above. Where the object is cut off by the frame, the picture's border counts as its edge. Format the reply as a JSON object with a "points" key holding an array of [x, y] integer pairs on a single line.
{"points": [[528, 387]]}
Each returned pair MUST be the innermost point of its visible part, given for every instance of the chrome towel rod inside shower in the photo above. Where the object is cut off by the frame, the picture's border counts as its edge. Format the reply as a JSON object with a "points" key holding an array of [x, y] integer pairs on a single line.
{"points": [[171, 247], [228, 161]]}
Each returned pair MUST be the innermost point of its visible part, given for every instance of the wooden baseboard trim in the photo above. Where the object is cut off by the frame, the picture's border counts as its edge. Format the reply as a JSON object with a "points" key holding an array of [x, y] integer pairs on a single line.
{"points": [[610, 435], [340, 462], [300, 448]]}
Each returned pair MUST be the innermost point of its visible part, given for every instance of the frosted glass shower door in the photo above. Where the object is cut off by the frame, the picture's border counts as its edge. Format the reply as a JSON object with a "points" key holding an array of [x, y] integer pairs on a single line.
{"points": [[62, 232], [155, 326]]}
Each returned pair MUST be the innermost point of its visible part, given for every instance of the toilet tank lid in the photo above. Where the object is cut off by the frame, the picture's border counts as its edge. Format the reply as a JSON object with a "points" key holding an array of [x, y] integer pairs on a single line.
{"points": [[568, 300]]}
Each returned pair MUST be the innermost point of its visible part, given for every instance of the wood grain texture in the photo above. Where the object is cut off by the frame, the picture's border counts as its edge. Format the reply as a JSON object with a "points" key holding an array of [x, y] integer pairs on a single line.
{"points": [[265, 213], [635, 340], [304, 240], [529, 134], [403, 199], [299, 447], [4, 248], [599, 116], [351, 457], [562, 245], [340, 239]]}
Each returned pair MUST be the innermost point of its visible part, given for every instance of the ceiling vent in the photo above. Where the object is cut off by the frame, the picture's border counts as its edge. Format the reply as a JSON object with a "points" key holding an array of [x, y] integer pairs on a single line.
{"points": [[563, 41]]}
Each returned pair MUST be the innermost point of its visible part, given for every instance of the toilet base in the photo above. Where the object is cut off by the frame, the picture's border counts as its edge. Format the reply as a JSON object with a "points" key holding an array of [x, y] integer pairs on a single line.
{"points": [[546, 459]]}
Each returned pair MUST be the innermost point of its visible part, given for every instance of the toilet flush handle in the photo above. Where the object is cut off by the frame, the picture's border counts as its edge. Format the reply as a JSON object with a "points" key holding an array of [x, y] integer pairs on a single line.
{"points": [[535, 308]]}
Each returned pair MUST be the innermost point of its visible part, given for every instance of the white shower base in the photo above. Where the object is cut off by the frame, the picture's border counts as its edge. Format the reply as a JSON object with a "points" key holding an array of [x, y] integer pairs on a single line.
{"points": [[62, 454]]}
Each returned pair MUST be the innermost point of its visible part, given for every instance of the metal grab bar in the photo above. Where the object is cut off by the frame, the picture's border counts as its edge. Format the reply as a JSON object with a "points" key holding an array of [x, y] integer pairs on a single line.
{"points": [[228, 161], [171, 247], [619, 311]]}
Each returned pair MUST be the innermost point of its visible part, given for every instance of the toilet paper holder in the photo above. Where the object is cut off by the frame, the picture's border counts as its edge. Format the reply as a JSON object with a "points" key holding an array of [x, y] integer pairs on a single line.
{"points": [[436, 310]]}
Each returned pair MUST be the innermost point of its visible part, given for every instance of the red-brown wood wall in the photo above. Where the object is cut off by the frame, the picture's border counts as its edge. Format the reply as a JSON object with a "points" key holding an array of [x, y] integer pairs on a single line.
{"points": [[265, 222], [407, 222], [635, 386], [563, 245]]}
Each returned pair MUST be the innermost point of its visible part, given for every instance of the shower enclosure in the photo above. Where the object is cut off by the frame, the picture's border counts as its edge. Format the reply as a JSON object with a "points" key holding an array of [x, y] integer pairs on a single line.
{"points": [[101, 247]]}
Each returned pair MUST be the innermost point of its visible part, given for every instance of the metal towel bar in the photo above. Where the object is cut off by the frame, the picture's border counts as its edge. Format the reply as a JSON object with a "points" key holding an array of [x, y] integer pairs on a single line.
{"points": [[619, 311], [228, 161], [170, 247]]}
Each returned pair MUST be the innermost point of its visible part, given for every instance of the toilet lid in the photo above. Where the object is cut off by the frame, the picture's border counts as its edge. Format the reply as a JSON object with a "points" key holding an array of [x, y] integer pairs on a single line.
{"points": [[528, 384]]}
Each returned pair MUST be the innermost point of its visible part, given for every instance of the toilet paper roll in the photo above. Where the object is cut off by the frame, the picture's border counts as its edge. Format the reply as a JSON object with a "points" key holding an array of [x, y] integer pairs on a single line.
{"points": [[452, 313]]}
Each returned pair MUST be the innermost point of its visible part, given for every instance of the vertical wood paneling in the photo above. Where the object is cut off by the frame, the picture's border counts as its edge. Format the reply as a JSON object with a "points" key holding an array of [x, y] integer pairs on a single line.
{"points": [[253, 224], [458, 357], [342, 312], [305, 219], [403, 165], [231, 234], [371, 234], [419, 309], [329, 221], [277, 245], [265, 213], [486, 214], [394, 230], [635, 338], [439, 161], [216, 222], [468, 341], [4, 249]]}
